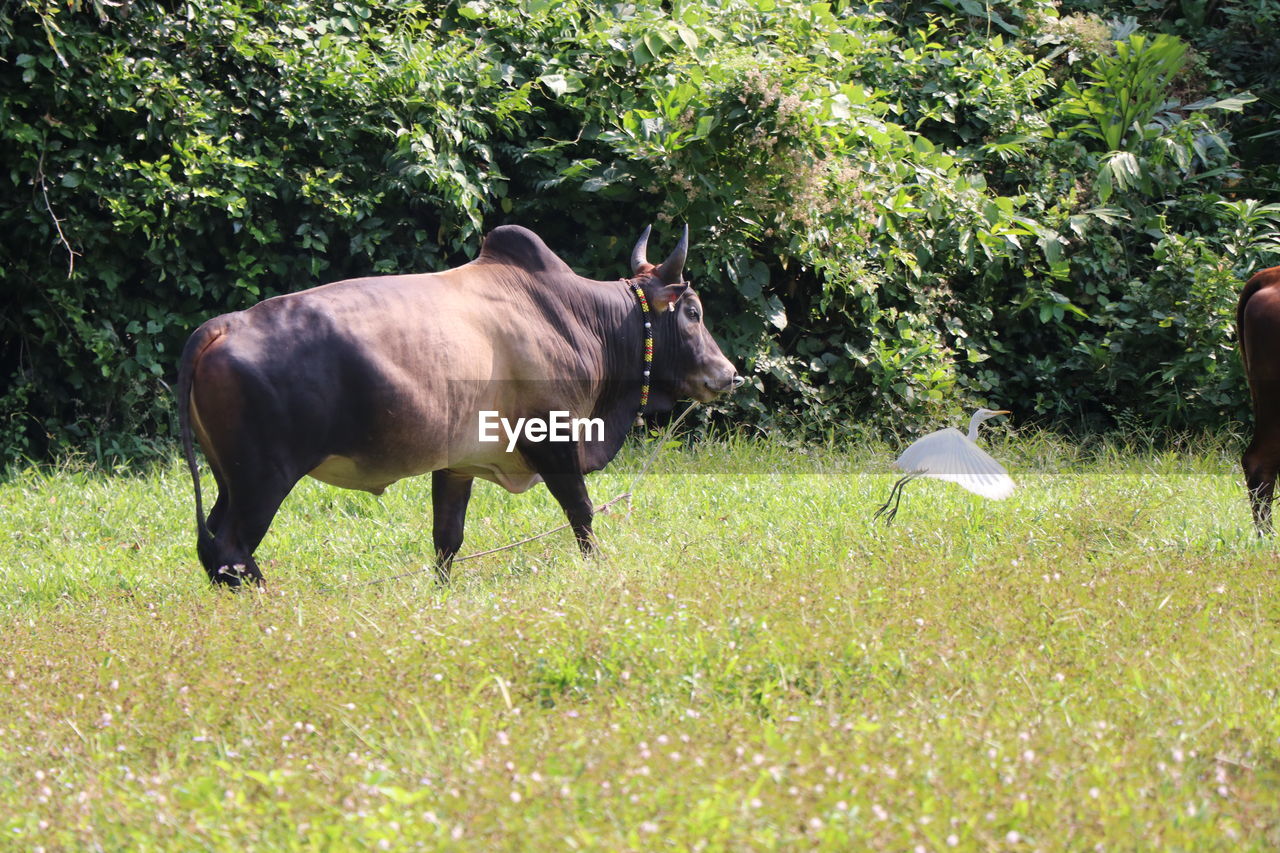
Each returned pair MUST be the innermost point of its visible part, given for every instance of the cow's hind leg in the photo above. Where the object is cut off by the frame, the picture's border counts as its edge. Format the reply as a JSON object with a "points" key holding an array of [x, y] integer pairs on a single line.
{"points": [[1261, 463], [238, 524], [207, 534], [450, 493]]}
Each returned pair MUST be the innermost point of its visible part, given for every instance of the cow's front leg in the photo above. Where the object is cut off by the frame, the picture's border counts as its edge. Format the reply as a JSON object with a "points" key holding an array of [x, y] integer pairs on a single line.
{"points": [[561, 470], [450, 493], [571, 491]]}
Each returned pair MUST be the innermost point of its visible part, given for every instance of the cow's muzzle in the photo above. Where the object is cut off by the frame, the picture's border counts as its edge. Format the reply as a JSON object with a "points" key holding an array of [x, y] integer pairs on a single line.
{"points": [[724, 384]]}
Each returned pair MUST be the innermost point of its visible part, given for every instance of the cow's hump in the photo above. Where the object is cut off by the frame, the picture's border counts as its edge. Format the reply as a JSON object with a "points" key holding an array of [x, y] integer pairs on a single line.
{"points": [[512, 244]]}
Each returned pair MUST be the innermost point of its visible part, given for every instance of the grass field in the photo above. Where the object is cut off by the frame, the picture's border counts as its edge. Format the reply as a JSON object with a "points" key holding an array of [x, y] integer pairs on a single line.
{"points": [[752, 664]]}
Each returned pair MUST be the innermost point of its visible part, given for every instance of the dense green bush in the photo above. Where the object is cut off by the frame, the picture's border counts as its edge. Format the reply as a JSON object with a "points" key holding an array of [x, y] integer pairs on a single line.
{"points": [[897, 207]]}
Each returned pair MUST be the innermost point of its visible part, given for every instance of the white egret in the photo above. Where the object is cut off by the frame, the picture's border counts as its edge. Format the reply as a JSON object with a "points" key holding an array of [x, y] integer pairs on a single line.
{"points": [[949, 454]]}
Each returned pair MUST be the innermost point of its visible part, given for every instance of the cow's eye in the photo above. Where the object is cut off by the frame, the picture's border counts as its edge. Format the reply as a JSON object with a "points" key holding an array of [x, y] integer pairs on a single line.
{"points": [[692, 313]]}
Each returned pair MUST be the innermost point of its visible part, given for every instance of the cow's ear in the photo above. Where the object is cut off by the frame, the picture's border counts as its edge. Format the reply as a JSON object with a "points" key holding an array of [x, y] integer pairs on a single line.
{"points": [[665, 297]]}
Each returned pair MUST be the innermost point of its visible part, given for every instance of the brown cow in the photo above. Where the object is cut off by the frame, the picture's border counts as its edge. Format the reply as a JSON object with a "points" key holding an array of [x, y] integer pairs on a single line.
{"points": [[1258, 327], [363, 382]]}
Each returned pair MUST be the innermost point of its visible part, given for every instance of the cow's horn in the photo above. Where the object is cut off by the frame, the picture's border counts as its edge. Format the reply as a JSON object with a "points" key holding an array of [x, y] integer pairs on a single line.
{"points": [[672, 268], [639, 255]]}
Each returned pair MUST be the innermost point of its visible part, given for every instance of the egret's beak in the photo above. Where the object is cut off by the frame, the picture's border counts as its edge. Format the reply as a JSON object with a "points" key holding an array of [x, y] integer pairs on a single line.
{"points": [[1001, 412]]}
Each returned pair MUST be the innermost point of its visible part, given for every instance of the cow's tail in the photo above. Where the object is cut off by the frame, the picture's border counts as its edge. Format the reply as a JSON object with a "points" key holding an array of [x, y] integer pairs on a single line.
{"points": [[1265, 278], [1251, 287], [186, 375]]}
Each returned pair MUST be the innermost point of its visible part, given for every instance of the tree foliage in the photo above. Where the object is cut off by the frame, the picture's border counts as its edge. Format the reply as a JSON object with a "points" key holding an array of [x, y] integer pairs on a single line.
{"points": [[897, 208]]}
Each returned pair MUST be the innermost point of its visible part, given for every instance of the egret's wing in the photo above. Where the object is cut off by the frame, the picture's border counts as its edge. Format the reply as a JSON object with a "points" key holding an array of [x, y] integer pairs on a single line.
{"points": [[948, 455]]}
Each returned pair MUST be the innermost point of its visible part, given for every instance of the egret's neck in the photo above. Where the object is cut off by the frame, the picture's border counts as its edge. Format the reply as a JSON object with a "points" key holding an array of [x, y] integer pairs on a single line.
{"points": [[973, 425]]}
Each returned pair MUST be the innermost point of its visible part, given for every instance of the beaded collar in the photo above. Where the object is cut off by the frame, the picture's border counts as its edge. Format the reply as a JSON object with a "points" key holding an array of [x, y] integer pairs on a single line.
{"points": [[647, 315]]}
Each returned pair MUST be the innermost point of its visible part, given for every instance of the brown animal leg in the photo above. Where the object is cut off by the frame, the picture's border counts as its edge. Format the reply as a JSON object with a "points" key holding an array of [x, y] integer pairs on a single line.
{"points": [[205, 541], [450, 493], [1257, 318], [1261, 461], [561, 471], [1260, 467], [570, 490], [240, 518]]}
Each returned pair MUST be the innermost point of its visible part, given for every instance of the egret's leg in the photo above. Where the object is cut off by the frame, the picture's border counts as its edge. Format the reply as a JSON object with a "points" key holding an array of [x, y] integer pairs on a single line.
{"points": [[893, 513], [895, 498], [902, 485], [885, 506]]}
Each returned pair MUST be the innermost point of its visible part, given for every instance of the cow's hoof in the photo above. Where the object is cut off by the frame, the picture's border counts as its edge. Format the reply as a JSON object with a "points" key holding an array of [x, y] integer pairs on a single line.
{"points": [[229, 576], [587, 545], [236, 575]]}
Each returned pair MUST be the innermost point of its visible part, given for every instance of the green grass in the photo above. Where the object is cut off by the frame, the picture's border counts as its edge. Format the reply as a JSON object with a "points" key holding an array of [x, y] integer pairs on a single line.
{"points": [[752, 665]]}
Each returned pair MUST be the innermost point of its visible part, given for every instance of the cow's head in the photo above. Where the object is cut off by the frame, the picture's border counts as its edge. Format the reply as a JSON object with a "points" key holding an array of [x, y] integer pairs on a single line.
{"points": [[687, 361]]}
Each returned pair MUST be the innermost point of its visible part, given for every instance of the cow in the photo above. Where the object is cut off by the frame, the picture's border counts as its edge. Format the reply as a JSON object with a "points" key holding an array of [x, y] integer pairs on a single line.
{"points": [[1258, 328], [366, 381]]}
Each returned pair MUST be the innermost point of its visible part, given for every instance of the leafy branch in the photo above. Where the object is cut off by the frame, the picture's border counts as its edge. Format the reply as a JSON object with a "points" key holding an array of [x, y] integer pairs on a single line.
{"points": [[1128, 88]]}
